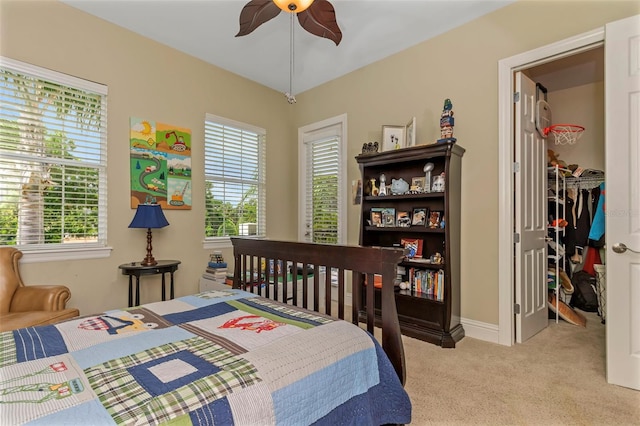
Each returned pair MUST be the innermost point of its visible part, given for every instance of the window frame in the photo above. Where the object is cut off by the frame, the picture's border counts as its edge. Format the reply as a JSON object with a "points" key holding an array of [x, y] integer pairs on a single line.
{"points": [[56, 251], [225, 242]]}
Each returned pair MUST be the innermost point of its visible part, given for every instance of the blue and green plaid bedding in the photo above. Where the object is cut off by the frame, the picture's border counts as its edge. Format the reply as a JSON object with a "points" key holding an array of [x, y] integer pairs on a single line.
{"points": [[216, 358]]}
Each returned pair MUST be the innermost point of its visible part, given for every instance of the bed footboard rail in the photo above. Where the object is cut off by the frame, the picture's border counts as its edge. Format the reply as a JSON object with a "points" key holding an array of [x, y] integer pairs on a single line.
{"points": [[313, 275]]}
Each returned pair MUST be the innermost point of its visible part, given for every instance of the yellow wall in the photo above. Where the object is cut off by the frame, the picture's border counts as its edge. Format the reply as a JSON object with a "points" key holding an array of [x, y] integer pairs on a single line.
{"points": [[147, 80], [142, 76], [462, 65], [569, 106]]}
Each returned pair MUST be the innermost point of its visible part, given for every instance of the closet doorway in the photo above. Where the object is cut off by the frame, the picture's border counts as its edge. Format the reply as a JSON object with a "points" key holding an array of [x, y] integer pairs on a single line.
{"points": [[552, 58], [622, 166], [573, 88]]}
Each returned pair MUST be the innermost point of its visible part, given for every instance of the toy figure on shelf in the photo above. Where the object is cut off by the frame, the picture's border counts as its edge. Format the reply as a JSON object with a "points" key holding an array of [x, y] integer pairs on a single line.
{"points": [[370, 148], [446, 123], [374, 188], [383, 186]]}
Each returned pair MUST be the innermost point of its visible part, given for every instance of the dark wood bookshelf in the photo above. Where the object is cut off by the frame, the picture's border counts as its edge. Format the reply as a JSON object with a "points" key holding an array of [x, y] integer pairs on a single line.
{"points": [[421, 315]]}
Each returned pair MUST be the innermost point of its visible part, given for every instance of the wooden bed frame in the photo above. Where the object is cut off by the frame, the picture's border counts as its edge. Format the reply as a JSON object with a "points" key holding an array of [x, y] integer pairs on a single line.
{"points": [[256, 264]]}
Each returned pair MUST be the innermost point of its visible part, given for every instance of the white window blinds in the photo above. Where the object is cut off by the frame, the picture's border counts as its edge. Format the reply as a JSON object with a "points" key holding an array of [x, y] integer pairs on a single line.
{"points": [[235, 179], [323, 185], [53, 186]]}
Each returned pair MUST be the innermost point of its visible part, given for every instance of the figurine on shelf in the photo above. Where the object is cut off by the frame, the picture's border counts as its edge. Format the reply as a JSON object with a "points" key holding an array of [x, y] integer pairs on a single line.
{"points": [[399, 186], [383, 186], [374, 188], [370, 148], [216, 257], [446, 123]]}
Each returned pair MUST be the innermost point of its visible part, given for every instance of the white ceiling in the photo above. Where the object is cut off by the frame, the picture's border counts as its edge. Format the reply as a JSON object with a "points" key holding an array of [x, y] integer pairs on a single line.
{"points": [[206, 29]]}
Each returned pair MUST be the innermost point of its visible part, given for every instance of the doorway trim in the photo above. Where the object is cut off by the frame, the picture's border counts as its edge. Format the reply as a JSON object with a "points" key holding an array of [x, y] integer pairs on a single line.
{"points": [[506, 187]]}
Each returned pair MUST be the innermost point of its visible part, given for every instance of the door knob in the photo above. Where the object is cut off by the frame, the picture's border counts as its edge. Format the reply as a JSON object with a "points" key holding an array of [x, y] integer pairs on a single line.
{"points": [[621, 248]]}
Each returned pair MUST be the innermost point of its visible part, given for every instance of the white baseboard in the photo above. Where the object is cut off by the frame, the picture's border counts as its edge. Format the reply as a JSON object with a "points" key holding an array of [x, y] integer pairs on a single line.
{"points": [[480, 330]]}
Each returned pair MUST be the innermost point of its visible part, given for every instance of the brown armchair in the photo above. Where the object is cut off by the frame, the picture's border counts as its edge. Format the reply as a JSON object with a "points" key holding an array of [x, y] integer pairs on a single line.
{"points": [[28, 306]]}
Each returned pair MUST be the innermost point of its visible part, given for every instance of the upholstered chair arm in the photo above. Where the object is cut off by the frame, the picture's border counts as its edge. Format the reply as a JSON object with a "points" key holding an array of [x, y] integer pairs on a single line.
{"points": [[40, 298]]}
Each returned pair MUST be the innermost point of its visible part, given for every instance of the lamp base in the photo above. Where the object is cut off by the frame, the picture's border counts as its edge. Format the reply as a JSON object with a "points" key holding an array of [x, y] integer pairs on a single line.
{"points": [[149, 260]]}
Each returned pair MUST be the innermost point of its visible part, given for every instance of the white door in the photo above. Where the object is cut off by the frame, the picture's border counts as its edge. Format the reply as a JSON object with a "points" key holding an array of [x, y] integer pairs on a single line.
{"points": [[622, 200], [530, 215], [321, 177]]}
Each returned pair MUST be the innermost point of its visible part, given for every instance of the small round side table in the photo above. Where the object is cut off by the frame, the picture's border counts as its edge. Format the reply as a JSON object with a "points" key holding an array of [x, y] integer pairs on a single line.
{"points": [[136, 269]]}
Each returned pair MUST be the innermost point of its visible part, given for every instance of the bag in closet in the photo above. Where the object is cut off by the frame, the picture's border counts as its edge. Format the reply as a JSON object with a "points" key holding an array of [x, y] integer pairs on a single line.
{"points": [[584, 295]]}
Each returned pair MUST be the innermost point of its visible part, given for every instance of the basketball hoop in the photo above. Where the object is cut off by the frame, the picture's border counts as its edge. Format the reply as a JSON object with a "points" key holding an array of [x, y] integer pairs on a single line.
{"points": [[565, 134]]}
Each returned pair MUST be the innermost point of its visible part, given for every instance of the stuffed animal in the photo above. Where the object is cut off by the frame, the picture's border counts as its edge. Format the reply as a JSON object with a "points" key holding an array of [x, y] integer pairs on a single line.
{"points": [[553, 160]]}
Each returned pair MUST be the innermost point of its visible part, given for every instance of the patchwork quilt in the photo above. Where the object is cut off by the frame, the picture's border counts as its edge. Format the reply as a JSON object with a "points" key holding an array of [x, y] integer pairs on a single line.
{"points": [[217, 358]]}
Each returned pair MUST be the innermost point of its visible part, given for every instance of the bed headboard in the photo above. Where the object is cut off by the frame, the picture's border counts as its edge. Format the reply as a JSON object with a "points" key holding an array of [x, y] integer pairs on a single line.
{"points": [[269, 261]]}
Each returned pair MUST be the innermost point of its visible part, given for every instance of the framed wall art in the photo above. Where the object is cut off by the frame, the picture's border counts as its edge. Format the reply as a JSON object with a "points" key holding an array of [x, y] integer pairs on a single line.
{"points": [[160, 164], [393, 137]]}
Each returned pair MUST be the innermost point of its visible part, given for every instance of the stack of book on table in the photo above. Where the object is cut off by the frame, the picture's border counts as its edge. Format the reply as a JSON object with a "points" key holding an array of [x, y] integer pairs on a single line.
{"points": [[215, 275]]}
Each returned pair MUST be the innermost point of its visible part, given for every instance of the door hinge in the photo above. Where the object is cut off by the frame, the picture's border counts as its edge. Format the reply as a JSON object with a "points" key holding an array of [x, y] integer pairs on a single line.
{"points": [[516, 97], [516, 167], [516, 309], [516, 238]]}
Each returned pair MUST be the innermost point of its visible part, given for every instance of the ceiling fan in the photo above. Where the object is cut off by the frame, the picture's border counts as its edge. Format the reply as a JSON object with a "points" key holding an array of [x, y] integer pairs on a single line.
{"points": [[316, 16]]}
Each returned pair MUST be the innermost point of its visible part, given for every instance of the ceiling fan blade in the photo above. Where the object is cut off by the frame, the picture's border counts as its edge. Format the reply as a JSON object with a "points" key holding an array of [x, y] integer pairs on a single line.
{"points": [[320, 19], [256, 13]]}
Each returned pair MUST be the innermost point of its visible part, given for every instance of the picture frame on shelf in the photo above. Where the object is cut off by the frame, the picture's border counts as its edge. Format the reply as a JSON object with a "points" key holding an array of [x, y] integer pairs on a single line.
{"points": [[393, 137], [411, 132], [435, 219], [403, 219], [389, 217], [414, 247], [418, 184], [419, 216], [376, 216], [438, 183]]}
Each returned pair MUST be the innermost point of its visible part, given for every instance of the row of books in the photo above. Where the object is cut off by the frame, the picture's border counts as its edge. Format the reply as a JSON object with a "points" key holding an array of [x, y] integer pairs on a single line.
{"points": [[429, 282]]}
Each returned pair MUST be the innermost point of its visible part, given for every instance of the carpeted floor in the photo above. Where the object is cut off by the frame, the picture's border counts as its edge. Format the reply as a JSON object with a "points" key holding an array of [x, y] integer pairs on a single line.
{"points": [[555, 378]]}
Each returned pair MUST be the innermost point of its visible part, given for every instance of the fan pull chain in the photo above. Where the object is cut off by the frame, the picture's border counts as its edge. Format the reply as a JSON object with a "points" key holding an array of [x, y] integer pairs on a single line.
{"points": [[289, 95]]}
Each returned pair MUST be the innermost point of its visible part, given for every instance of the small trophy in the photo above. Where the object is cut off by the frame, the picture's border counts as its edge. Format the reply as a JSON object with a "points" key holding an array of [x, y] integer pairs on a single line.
{"points": [[383, 186], [427, 176]]}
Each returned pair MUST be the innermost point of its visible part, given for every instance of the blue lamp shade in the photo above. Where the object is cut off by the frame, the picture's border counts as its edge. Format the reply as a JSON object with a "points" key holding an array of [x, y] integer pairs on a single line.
{"points": [[149, 216]]}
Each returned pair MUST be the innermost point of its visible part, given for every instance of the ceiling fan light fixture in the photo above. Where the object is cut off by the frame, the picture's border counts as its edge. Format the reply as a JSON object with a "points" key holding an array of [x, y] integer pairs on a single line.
{"points": [[293, 6]]}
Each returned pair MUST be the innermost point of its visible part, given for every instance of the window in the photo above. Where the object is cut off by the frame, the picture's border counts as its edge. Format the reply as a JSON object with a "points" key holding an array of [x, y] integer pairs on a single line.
{"points": [[53, 187], [322, 172], [235, 182]]}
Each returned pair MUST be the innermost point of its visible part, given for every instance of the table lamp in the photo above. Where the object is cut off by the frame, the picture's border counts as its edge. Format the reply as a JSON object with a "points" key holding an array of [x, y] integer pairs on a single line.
{"points": [[149, 216]]}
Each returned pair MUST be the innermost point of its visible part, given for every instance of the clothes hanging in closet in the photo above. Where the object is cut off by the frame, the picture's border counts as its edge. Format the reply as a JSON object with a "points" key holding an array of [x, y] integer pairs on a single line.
{"points": [[596, 234], [577, 208]]}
